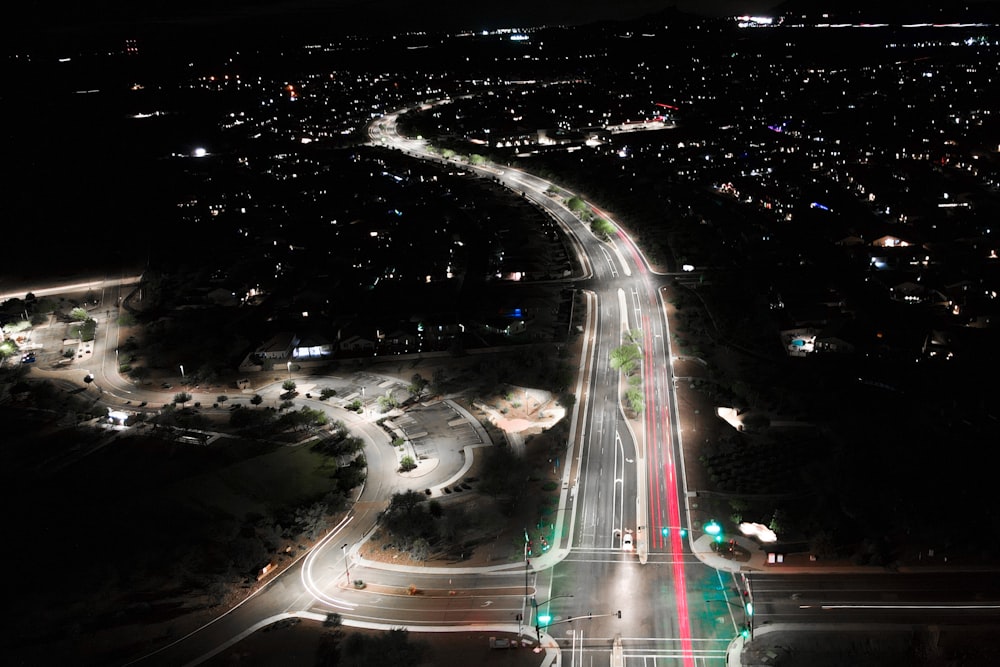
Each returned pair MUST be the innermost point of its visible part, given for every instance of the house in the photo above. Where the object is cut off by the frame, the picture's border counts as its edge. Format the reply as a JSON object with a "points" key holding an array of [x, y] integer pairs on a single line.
{"points": [[222, 297], [505, 326], [798, 342], [837, 337], [278, 347], [357, 344], [312, 346], [911, 292], [398, 341]]}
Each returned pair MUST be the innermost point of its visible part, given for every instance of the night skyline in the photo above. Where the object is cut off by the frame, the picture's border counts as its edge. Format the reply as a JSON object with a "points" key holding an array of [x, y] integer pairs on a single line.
{"points": [[366, 15]]}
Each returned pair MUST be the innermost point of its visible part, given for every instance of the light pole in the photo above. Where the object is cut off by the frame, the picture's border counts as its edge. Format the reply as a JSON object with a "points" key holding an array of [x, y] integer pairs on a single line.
{"points": [[542, 620], [289, 365], [526, 564], [748, 606], [182, 371], [347, 568]]}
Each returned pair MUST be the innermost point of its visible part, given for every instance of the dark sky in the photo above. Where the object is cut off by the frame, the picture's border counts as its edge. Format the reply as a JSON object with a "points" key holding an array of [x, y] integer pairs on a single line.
{"points": [[53, 17], [417, 12]]}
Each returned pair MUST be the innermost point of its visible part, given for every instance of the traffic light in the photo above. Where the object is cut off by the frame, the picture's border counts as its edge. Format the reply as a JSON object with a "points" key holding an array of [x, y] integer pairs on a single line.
{"points": [[544, 619], [749, 609], [665, 531], [745, 632], [714, 529]]}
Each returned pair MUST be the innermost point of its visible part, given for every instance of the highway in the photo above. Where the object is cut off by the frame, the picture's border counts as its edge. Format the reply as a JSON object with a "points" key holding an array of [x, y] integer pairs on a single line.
{"points": [[628, 474]]}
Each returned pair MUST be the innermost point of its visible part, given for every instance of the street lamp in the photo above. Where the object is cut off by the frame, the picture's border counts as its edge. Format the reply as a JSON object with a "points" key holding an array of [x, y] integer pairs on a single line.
{"points": [[347, 568], [289, 364], [182, 371]]}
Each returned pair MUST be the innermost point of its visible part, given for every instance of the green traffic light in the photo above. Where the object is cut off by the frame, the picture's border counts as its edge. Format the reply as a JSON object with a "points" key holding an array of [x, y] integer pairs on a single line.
{"points": [[749, 609], [713, 528], [665, 531], [684, 532], [745, 632], [544, 619]]}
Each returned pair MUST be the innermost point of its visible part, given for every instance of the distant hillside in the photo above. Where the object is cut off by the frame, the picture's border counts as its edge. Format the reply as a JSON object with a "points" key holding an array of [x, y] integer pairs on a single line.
{"points": [[915, 11]]}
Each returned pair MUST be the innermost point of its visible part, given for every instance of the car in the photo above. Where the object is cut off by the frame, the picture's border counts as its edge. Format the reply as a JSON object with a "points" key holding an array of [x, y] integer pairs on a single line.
{"points": [[627, 540], [28, 358], [166, 385]]}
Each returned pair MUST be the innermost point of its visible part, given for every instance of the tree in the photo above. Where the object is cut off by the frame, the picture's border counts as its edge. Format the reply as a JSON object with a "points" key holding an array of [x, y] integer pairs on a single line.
{"points": [[88, 329], [79, 314], [221, 398], [435, 509], [417, 385], [420, 550], [407, 464], [387, 402], [327, 393], [439, 380], [392, 647], [8, 348], [305, 418], [289, 385], [625, 357], [182, 398], [576, 205], [602, 228], [311, 519], [257, 399], [635, 400], [756, 421], [404, 502]]}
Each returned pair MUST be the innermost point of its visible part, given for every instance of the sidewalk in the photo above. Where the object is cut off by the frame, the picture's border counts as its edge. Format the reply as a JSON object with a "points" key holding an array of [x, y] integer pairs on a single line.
{"points": [[800, 563], [701, 547], [757, 560]]}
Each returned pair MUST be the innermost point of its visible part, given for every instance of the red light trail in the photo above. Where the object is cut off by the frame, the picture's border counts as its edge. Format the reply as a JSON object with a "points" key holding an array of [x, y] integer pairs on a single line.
{"points": [[658, 449]]}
